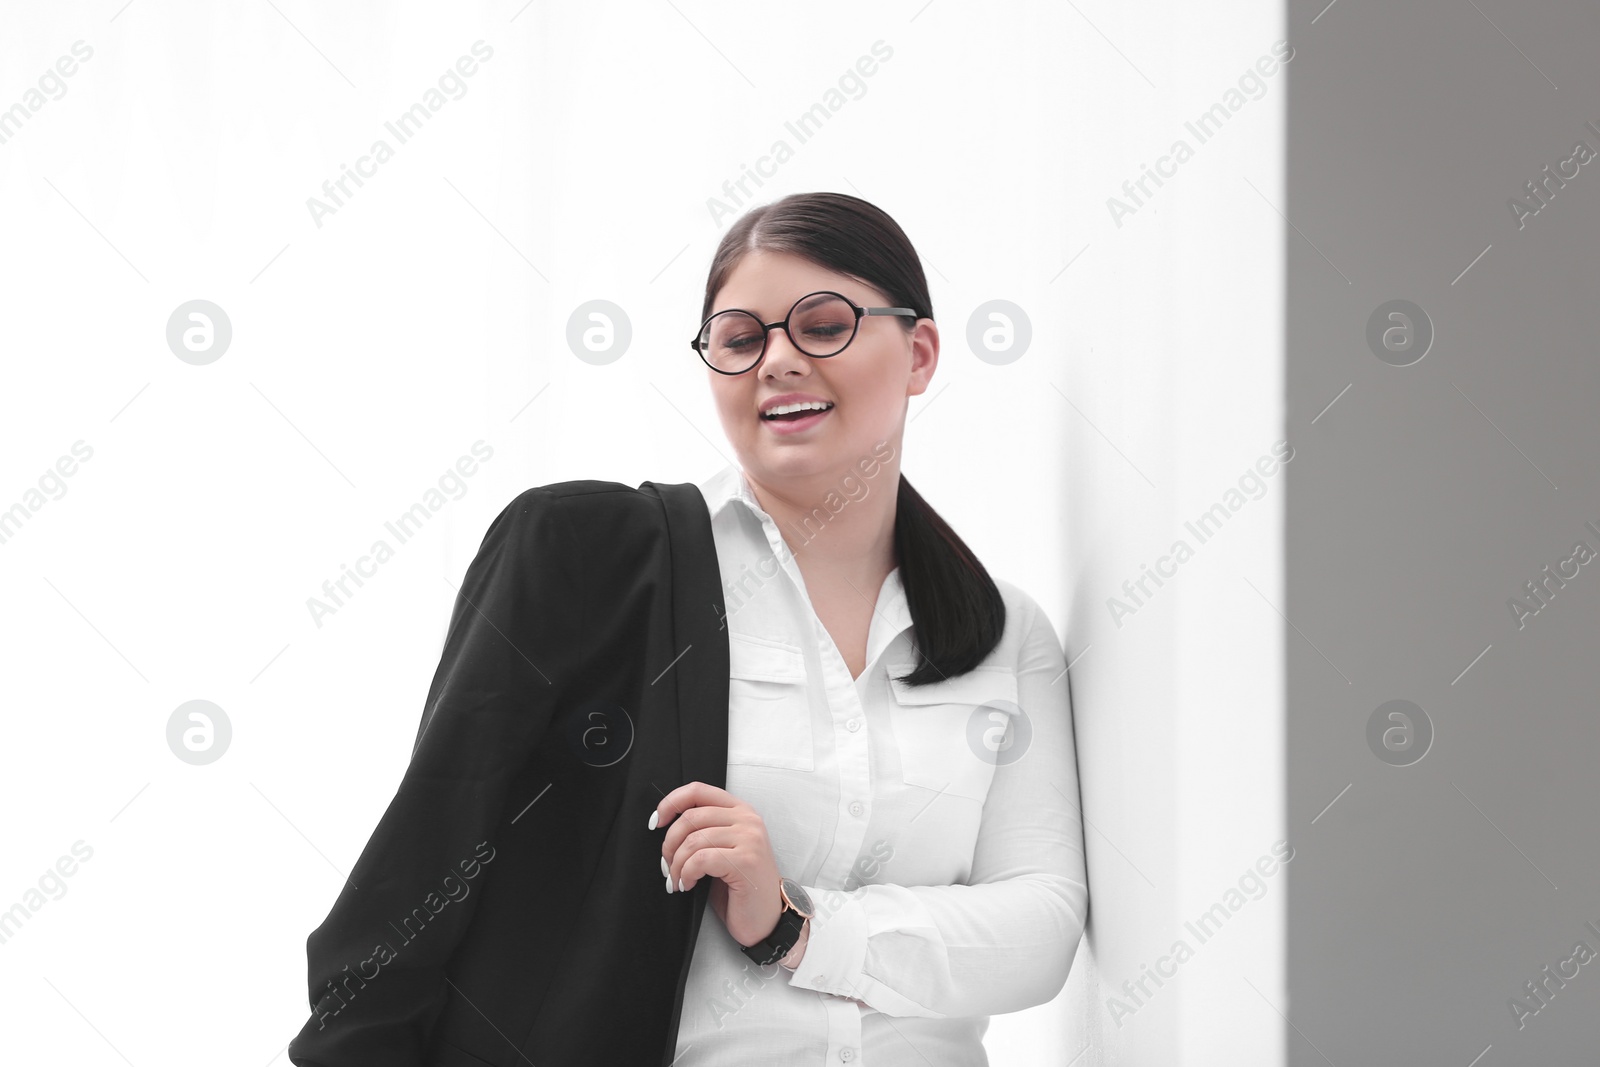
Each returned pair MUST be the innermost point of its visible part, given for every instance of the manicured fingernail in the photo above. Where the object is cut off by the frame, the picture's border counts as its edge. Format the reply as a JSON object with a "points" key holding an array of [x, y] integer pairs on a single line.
{"points": [[669, 883], [664, 869], [680, 886], [653, 819]]}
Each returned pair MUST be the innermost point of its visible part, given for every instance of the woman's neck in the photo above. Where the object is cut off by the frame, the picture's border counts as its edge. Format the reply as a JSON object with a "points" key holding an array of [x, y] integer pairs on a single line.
{"points": [[839, 525]]}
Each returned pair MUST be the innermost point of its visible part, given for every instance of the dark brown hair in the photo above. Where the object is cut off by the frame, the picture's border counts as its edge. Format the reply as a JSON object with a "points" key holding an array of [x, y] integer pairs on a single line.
{"points": [[957, 612]]}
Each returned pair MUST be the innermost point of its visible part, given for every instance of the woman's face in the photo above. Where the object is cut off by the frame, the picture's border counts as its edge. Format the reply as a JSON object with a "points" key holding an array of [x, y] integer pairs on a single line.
{"points": [[868, 383]]}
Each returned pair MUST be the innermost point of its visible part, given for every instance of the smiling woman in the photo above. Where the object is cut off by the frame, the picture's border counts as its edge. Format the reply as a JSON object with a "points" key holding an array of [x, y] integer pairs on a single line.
{"points": [[837, 813], [885, 688], [858, 350]]}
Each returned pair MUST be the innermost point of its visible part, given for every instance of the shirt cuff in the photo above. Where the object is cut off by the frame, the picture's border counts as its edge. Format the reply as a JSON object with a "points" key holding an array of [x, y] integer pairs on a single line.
{"points": [[836, 947], [836, 956], [797, 951]]}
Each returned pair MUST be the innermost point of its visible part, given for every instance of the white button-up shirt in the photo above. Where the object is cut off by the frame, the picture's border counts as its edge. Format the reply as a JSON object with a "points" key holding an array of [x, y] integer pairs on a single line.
{"points": [[936, 829]]}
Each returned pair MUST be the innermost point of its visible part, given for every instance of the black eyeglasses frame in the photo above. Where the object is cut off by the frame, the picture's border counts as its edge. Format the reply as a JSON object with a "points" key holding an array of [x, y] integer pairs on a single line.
{"points": [[768, 327]]}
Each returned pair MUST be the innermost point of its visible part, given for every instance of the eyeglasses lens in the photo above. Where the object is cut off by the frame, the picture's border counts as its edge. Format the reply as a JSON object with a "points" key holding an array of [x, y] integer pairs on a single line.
{"points": [[821, 325]]}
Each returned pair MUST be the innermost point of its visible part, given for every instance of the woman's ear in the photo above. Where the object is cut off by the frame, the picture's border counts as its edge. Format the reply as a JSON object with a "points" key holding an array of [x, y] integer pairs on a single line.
{"points": [[924, 356]]}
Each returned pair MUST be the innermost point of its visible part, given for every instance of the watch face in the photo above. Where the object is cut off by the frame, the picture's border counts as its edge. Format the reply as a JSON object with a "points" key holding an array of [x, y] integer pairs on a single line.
{"points": [[798, 897]]}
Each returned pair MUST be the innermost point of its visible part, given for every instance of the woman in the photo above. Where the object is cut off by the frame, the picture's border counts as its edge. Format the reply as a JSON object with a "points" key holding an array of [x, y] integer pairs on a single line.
{"points": [[894, 851], [946, 888]]}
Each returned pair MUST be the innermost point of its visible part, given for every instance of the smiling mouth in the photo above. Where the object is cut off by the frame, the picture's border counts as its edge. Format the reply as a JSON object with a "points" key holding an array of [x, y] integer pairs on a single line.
{"points": [[795, 416]]}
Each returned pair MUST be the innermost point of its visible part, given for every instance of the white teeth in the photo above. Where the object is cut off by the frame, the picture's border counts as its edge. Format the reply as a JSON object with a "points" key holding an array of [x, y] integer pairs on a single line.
{"points": [[808, 405]]}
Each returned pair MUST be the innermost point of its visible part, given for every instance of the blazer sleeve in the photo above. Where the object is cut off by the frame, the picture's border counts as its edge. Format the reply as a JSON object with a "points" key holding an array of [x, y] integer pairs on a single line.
{"points": [[374, 995]]}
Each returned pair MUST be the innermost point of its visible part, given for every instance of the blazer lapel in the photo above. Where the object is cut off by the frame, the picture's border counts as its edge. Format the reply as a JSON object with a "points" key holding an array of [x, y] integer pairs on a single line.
{"points": [[700, 673]]}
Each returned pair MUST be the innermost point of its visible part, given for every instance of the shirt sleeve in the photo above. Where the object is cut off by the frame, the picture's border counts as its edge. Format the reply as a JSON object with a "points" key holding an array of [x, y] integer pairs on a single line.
{"points": [[1004, 941]]}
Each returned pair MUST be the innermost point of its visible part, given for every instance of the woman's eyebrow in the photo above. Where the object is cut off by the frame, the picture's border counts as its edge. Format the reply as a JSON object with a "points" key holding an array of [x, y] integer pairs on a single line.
{"points": [[786, 307]]}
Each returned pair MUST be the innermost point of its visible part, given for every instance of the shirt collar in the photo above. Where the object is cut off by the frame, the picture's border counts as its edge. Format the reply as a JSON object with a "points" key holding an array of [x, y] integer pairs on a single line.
{"points": [[726, 486], [893, 615]]}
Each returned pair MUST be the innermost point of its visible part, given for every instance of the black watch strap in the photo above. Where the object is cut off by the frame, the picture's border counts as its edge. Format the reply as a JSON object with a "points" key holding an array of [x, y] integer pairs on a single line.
{"points": [[777, 944]]}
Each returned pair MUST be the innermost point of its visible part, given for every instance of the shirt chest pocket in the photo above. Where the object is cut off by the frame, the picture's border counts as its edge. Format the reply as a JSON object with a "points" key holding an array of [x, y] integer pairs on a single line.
{"points": [[769, 710], [948, 733]]}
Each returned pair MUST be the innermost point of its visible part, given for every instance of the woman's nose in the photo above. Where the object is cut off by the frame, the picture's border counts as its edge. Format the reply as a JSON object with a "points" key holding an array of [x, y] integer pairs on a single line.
{"points": [[781, 350]]}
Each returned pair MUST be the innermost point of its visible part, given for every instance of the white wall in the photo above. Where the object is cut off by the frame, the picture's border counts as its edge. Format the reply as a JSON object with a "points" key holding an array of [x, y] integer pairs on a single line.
{"points": [[1175, 348], [430, 312]]}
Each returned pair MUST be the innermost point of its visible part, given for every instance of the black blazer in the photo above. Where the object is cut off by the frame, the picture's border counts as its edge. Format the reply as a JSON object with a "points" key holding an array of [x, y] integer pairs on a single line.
{"points": [[509, 908]]}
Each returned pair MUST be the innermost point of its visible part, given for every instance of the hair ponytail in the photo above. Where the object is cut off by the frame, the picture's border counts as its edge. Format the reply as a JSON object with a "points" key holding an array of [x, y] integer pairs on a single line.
{"points": [[957, 612]]}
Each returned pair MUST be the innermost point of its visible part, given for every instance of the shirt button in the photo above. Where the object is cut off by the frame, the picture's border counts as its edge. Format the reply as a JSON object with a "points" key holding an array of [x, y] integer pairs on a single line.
{"points": [[853, 725], [856, 808], [847, 1054]]}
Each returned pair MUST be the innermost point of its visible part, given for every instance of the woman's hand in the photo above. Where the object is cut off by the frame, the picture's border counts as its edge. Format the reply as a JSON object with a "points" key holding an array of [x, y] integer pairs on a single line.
{"points": [[720, 836]]}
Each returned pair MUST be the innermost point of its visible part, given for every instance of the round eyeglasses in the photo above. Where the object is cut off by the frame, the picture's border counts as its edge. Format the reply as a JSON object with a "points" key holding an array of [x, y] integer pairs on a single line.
{"points": [[820, 324]]}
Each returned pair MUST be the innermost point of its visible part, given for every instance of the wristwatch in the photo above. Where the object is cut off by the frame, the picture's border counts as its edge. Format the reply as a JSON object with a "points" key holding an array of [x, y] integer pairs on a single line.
{"points": [[797, 909]]}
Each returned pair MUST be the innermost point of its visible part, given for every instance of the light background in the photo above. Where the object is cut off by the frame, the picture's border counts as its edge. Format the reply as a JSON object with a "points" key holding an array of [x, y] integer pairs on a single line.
{"points": [[431, 311]]}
